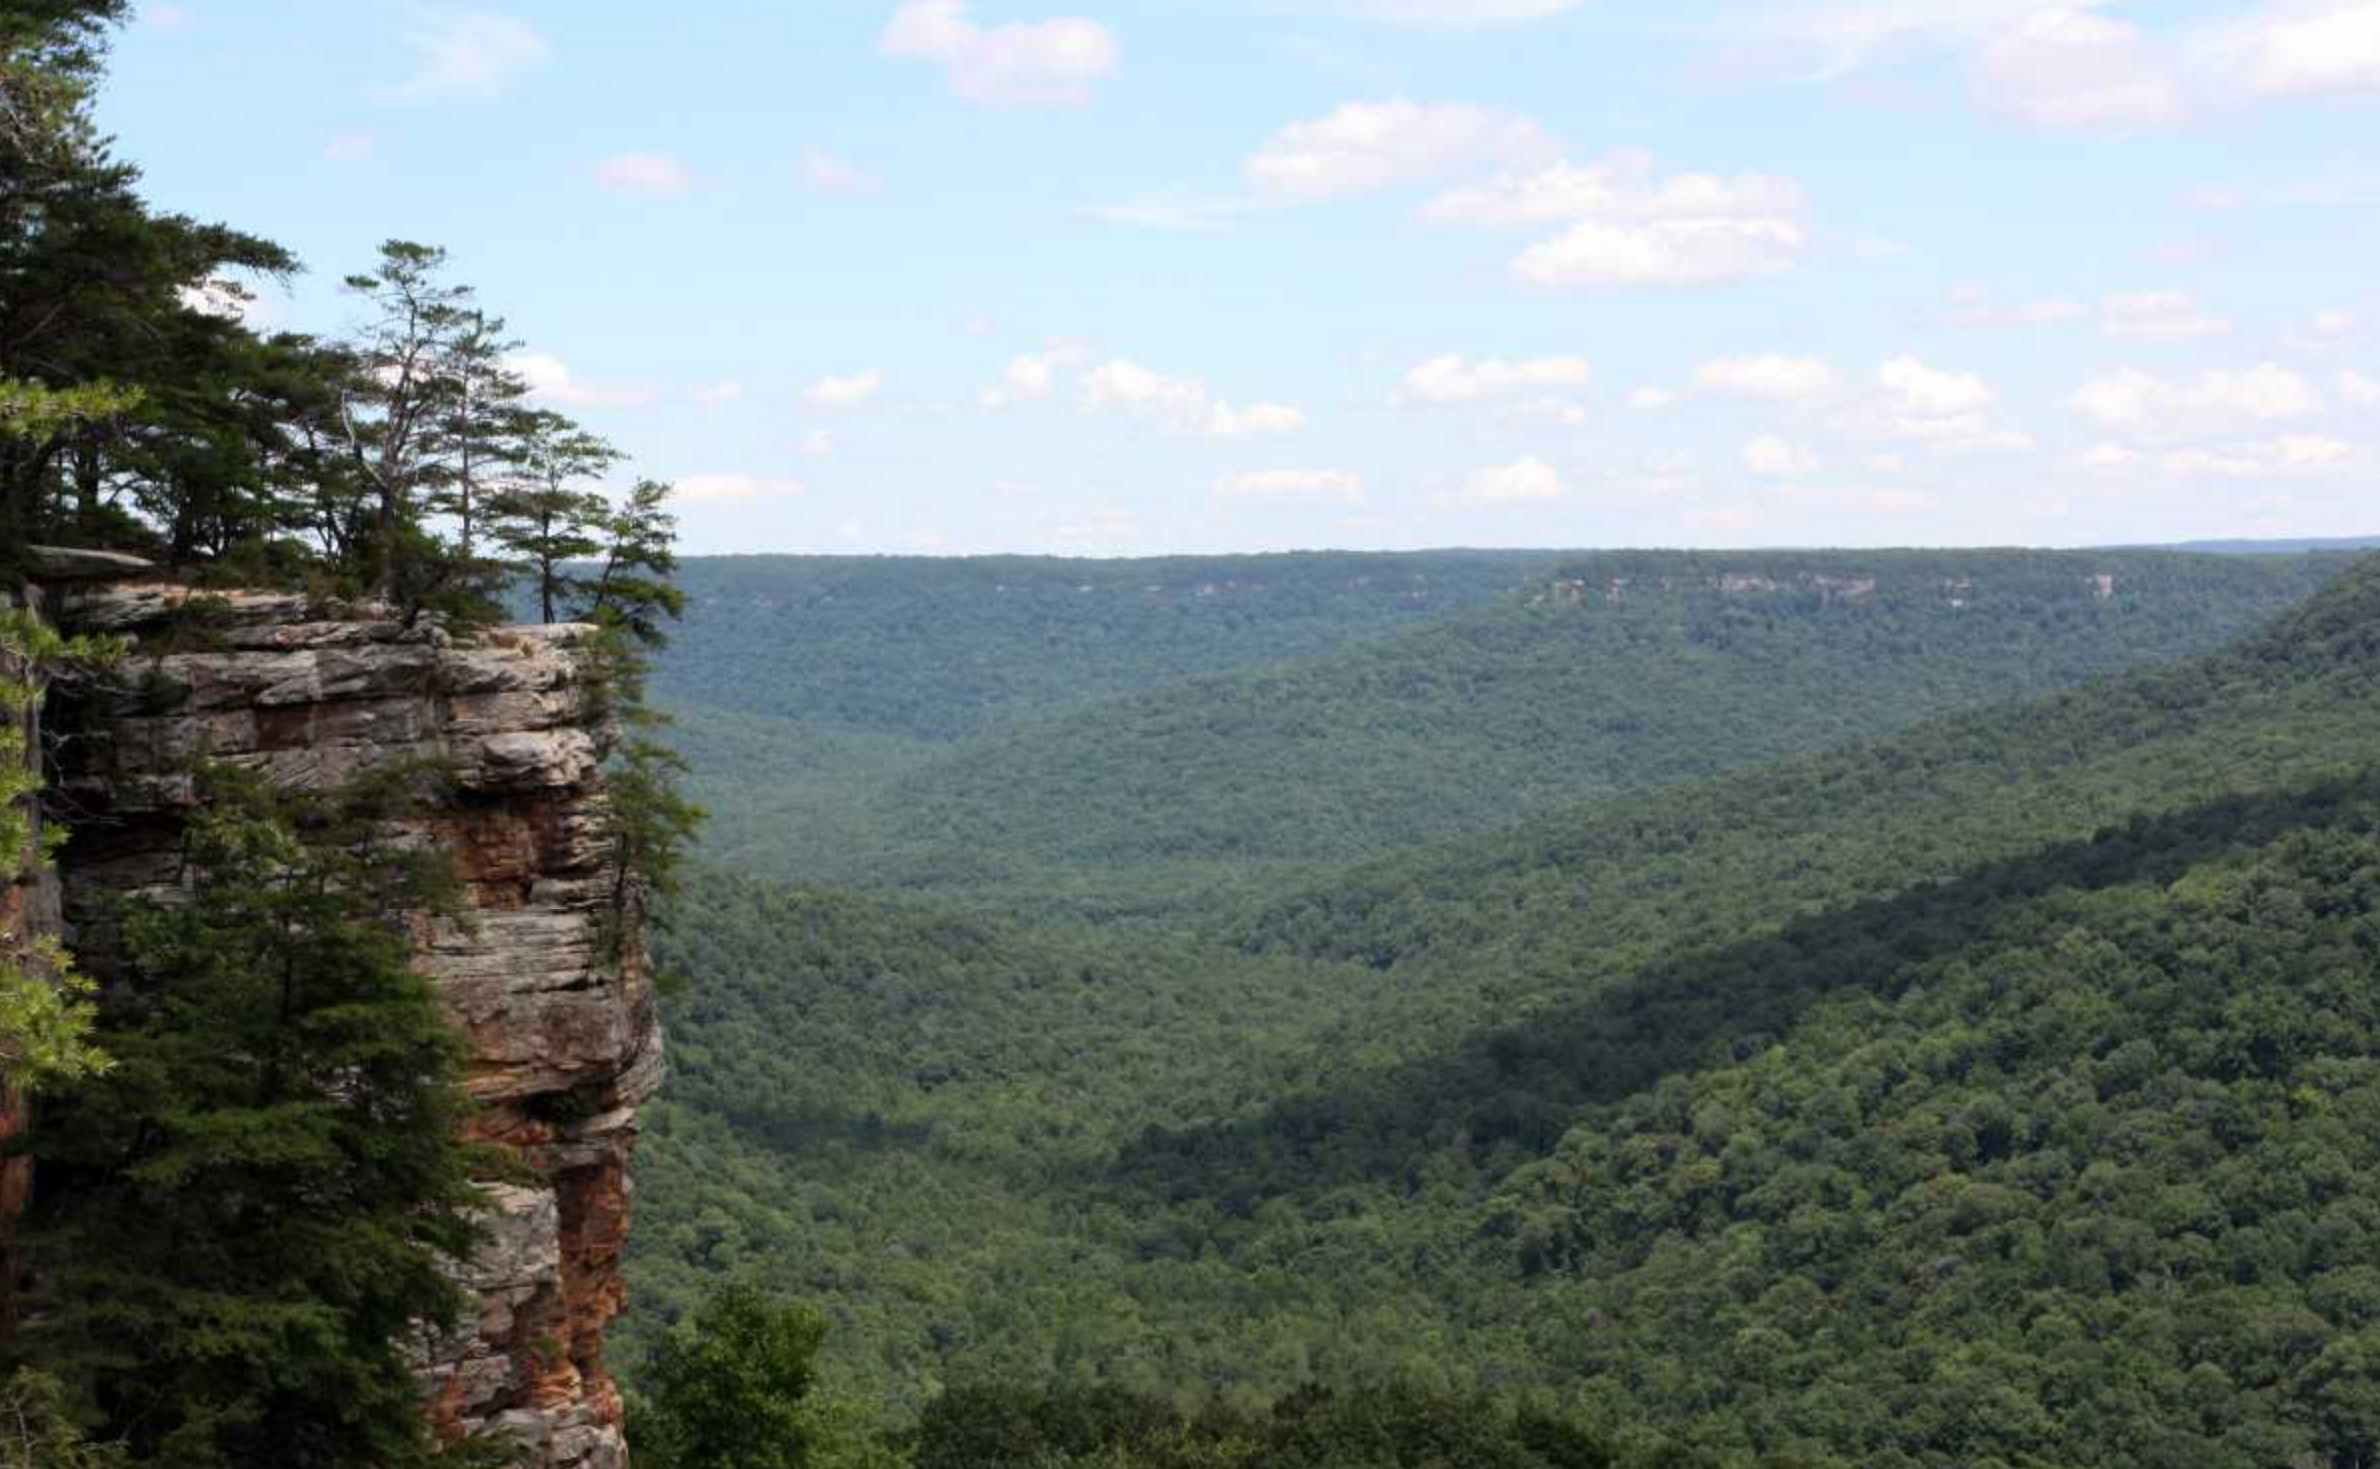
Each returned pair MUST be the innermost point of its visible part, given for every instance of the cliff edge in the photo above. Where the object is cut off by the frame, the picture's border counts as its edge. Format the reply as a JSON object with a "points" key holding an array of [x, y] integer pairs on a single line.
{"points": [[563, 1039]]}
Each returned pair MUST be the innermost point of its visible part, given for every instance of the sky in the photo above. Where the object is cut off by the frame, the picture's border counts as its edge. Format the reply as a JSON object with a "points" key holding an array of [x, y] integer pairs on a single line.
{"points": [[1054, 276]]}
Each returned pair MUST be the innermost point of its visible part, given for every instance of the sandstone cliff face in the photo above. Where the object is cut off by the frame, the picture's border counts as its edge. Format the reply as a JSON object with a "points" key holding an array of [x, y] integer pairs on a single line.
{"points": [[564, 1044]]}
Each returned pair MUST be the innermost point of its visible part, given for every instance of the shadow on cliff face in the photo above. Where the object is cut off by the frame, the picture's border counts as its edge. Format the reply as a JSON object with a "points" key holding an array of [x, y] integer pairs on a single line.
{"points": [[1503, 1097]]}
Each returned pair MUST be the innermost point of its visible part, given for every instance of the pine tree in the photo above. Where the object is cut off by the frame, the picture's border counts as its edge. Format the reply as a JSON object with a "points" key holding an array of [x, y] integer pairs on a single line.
{"points": [[104, 323], [549, 521], [240, 1225], [632, 589], [484, 429]]}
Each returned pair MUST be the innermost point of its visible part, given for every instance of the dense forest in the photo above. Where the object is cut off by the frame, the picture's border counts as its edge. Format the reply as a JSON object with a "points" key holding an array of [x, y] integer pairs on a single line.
{"points": [[1513, 1010], [938, 648], [1606, 673], [2006, 1071]]}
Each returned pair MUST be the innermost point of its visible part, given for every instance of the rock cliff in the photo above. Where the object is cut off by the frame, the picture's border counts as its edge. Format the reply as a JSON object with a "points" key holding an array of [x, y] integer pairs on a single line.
{"points": [[563, 1041]]}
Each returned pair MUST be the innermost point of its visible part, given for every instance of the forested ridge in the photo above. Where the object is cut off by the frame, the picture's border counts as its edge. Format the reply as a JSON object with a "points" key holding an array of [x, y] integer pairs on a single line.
{"points": [[1599, 673], [940, 647], [1509, 1010], [1991, 1092]]}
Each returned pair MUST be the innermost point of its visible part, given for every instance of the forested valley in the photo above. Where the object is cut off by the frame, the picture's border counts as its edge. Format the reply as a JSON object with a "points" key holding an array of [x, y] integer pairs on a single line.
{"points": [[1831, 1052], [1508, 1009]]}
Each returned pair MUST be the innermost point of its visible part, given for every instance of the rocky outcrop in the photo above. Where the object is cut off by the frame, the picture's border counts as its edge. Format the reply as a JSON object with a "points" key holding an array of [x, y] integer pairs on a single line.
{"points": [[563, 1038]]}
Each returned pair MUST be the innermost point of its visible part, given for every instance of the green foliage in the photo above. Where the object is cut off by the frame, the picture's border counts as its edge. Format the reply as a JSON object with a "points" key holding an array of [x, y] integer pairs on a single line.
{"points": [[1625, 670], [633, 588], [735, 1388], [1994, 1092], [548, 519], [244, 1221], [999, 1427], [647, 825], [111, 362], [938, 648], [30, 410], [37, 1433], [138, 410], [45, 1008]]}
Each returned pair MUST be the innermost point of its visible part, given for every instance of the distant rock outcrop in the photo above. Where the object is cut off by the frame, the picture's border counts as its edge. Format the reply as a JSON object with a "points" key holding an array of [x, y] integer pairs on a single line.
{"points": [[562, 1034]]}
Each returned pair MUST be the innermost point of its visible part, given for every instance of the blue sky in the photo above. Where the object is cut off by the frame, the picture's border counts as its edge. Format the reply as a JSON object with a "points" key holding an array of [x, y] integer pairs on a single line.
{"points": [[1050, 275]]}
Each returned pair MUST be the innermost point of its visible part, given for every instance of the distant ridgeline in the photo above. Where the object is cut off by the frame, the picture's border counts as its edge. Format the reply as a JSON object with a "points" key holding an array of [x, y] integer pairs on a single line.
{"points": [[1105, 737], [2001, 1090], [940, 647]]}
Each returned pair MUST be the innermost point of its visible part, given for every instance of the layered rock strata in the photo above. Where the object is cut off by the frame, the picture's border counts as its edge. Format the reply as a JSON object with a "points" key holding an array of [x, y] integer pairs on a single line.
{"points": [[562, 1035]]}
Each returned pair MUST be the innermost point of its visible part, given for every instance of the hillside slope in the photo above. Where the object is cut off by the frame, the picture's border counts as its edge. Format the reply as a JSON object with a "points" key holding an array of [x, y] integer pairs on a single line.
{"points": [[2014, 1072], [935, 648], [1624, 670], [887, 1106]]}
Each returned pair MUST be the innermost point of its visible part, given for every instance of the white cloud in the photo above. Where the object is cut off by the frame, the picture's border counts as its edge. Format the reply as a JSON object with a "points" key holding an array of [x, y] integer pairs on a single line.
{"points": [[1974, 306], [819, 442], [2327, 329], [1947, 411], [2158, 316], [1651, 399], [1130, 387], [1329, 486], [2072, 65], [1031, 377], [1364, 147], [228, 300], [550, 378], [1457, 12], [1926, 392], [1559, 411], [2065, 68], [847, 391], [2129, 400], [1510, 484], [170, 19], [1050, 63], [1768, 377], [2298, 48], [1453, 378], [473, 53], [1669, 252], [1835, 37], [829, 173], [2110, 458], [1631, 226], [730, 489], [2331, 323], [1227, 422], [1191, 213], [2277, 458], [2359, 391], [1623, 186], [1781, 458], [718, 392], [653, 173], [1180, 404]]}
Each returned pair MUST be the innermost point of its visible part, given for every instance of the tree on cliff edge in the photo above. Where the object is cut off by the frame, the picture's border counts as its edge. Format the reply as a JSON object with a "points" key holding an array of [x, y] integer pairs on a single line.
{"points": [[247, 1218]]}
